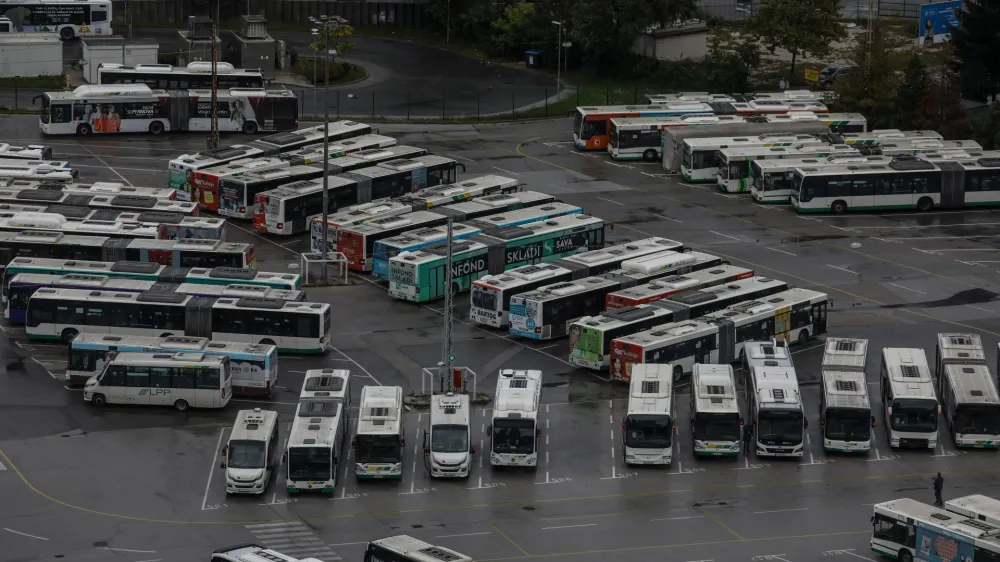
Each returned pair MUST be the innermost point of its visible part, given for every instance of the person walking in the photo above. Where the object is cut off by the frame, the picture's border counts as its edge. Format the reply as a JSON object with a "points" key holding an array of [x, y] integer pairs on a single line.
{"points": [[747, 439], [938, 486]]}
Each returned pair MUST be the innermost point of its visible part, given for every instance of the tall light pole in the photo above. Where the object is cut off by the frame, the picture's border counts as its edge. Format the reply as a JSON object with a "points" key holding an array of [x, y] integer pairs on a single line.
{"points": [[558, 58], [315, 34]]}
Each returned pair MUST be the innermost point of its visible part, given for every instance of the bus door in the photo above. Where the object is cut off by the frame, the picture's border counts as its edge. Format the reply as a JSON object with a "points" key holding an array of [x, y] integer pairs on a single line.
{"points": [[819, 318], [783, 323]]}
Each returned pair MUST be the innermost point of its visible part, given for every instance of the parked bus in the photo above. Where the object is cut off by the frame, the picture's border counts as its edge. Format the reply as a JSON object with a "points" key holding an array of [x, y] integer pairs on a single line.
{"points": [[196, 75], [514, 431], [775, 407], [191, 252], [705, 97], [438, 195], [52, 222], [39, 172], [357, 242], [904, 183], [23, 285], [289, 209], [762, 106], [845, 411], [672, 284], [181, 169], [770, 180], [845, 354], [907, 530], [27, 152], [702, 155], [236, 193], [254, 367], [673, 137], [735, 162], [718, 337], [956, 349], [648, 426], [89, 189], [976, 506], [334, 384], [183, 380], [379, 441], [251, 454], [315, 445], [206, 182], [295, 327], [591, 336], [770, 353], [351, 216], [419, 276], [135, 108], [60, 199], [908, 399], [403, 548], [878, 136], [971, 405], [488, 205], [592, 125], [67, 18], [716, 421], [19, 163], [491, 294], [315, 154]]}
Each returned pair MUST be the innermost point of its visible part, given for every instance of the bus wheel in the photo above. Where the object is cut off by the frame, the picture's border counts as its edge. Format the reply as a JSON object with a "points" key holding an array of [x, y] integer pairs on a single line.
{"points": [[925, 204], [83, 130], [905, 556], [266, 341], [166, 335], [678, 373], [649, 155], [838, 207], [181, 405], [68, 335], [803, 337], [66, 33], [98, 400], [250, 127], [155, 128]]}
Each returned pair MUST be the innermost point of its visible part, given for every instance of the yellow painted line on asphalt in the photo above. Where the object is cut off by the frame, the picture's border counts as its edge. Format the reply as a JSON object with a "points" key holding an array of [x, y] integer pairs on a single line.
{"points": [[719, 523], [510, 540]]}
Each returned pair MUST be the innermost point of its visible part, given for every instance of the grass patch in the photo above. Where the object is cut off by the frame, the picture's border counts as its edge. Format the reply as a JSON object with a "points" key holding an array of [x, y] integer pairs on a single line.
{"points": [[340, 72], [47, 83]]}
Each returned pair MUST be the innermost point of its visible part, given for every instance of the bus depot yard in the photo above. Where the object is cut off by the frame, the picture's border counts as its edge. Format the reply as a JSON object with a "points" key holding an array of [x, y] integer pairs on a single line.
{"points": [[145, 484]]}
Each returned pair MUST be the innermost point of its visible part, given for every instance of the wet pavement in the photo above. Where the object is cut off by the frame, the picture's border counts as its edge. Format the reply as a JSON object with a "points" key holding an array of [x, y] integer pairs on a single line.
{"points": [[129, 485]]}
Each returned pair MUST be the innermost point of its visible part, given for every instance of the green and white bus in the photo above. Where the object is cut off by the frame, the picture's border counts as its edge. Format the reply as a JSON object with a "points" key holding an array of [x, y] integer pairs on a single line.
{"points": [[879, 136], [735, 162], [638, 138], [771, 179], [181, 380], [378, 443], [701, 155], [420, 276], [904, 183]]}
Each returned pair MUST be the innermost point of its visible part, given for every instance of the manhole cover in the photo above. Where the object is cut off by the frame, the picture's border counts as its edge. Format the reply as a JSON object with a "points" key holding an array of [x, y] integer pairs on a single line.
{"points": [[528, 508]]}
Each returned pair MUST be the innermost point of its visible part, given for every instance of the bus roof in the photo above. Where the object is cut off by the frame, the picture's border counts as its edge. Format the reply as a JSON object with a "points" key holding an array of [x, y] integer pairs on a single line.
{"points": [[845, 354], [418, 550], [890, 134], [508, 218], [715, 387], [617, 317], [625, 252], [519, 394], [666, 332], [567, 288], [688, 106], [540, 228], [197, 67], [777, 387], [974, 530], [290, 173], [273, 305], [521, 275], [673, 121], [180, 343], [742, 312], [675, 283], [769, 165], [909, 375], [439, 251], [381, 410], [169, 359], [428, 234], [766, 140], [772, 353], [495, 201], [366, 211], [326, 383], [450, 409], [315, 423], [976, 506], [651, 389], [476, 184], [845, 389], [253, 425], [799, 151], [972, 384], [961, 348], [383, 224]]}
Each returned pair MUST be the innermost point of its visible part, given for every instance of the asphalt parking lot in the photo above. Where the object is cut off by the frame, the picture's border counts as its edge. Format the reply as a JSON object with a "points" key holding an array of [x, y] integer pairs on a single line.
{"points": [[142, 486]]}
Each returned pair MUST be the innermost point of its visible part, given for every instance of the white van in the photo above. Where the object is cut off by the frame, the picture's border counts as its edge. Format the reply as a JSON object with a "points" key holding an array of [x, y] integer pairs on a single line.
{"points": [[252, 451], [447, 441]]}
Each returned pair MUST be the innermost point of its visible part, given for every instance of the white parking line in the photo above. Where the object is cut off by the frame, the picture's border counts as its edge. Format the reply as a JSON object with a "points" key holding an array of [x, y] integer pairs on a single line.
{"points": [[781, 510], [908, 289], [464, 535], [724, 235], [24, 534], [211, 469], [668, 218], [777, 250], [569, 526], [612, 202], [930, 225], [461, 157], [128, 550], [677, 518], [506, 171], [843, 269], [358, 365]]}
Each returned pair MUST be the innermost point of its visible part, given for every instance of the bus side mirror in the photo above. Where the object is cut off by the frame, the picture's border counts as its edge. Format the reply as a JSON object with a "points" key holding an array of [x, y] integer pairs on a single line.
{"points": [[222, 464], [354, 443], [538, 434], [873, 421], [489, 431], [473, 450], [741, 421], [224, 449], [805, 423], [402, 442], [284, 458]]}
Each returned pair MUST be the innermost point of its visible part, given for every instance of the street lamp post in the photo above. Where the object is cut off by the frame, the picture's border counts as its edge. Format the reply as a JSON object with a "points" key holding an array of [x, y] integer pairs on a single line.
{"points": [[315, 34], [558, 58]]}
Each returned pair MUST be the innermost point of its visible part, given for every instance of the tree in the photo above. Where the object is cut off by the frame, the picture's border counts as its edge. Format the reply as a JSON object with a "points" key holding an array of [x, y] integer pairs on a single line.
{"points": [[941, 107], [987, 131], [733, 59], [606, 30], [871, 93], [910, 94], [977, 45], [518, 29], [334, 38], [801, 27]]}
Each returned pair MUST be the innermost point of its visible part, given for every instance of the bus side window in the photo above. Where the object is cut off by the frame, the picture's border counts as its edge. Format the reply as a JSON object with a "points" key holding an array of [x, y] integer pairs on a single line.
{"points": [[98, 16]]}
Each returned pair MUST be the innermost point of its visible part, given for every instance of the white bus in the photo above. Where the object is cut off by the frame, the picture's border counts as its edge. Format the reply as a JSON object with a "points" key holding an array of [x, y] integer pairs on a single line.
{"points": [[701, 155], [351, 216], [196, 75], [448, 441], [773, 353], [976, 506], [438, 195], [878, 136], [638, 138], [672, 284], [490, 294], [29, 152], [334, 384], [379, 440], [845, 411], [56, 199], [845, 354], [735, 163], [908, 399], [295, 327], [648, 427], [514, 431], [403, 548], [110, 188], [971, 406], [775, 407], [716, 422], [251, 452], [771, 179], [956, 349], [39, 172], [181, 380], [907, 182], [315, 443], [67, 18], [907, 530]]}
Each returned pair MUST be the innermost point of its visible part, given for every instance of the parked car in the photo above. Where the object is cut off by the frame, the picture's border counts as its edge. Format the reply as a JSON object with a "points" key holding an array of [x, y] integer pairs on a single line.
{"points": [[829, 75]]}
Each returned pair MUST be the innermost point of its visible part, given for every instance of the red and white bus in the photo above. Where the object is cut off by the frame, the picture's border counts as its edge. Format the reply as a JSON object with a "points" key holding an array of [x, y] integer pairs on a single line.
{"points": [[667, 286], [592, 125]]}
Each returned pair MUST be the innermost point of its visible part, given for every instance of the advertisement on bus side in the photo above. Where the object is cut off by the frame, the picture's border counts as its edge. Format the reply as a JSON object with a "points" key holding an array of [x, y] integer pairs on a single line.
{"points": [[231, 199], [623, 356], [524, 318], [177, 232], [353, 247], [538, 251], [585, 345], [205, 190]]}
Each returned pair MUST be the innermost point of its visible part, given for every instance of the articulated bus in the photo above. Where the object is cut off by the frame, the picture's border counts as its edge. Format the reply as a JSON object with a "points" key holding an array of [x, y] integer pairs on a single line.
{"points": [[89, 189], [592, 125], [775, 408], [191, 252], [675, 283], [29, 152], [430, 197], [183, 380], [67, 18], [197, 75], [236, 193], [379, 440], [206, 182], [957, 349], [648, 427], [735, 162], [181, 169], [315, 445], [878, 136], [315, 155], [419, 276], [295, 327], [908, 399], [718, 337], [23, 285], [289, 209], [702, 155], [756, 107], [592, 336], [39, 172], [254, 367], [771, 179], [716, 421], [904, 183], [97, 202]]}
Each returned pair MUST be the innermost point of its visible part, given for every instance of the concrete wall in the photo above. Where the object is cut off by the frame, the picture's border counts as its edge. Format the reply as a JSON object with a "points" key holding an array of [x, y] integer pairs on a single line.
{"points": [[30, 55], [93, 56], [688, 42]]}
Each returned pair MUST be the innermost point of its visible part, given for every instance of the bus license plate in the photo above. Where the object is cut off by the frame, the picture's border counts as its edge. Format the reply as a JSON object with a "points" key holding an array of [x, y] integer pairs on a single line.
{"points": [[377, 476]]}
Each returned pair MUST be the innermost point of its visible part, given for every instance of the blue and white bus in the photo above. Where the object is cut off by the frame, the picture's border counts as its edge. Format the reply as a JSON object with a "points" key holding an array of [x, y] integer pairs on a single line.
{"points": [[907, 530]]}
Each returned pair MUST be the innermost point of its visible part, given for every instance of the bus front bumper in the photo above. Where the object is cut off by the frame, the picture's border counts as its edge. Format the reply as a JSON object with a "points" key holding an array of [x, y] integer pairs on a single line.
{"points": [[977, 442], [309, 486], [504, 459], [847, 447], [404, 292]]}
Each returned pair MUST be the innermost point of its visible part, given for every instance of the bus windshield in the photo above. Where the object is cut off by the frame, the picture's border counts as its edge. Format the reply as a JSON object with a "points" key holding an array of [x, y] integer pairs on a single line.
{"points": [[246, 454], [977, 420], [379, 448], [717, 426], [309, 463], [776, 428], [848, 424], [914, 414], [758, 176], [704, 159], [513, 436], [449, 439], [648, 431], [796, 184]]}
